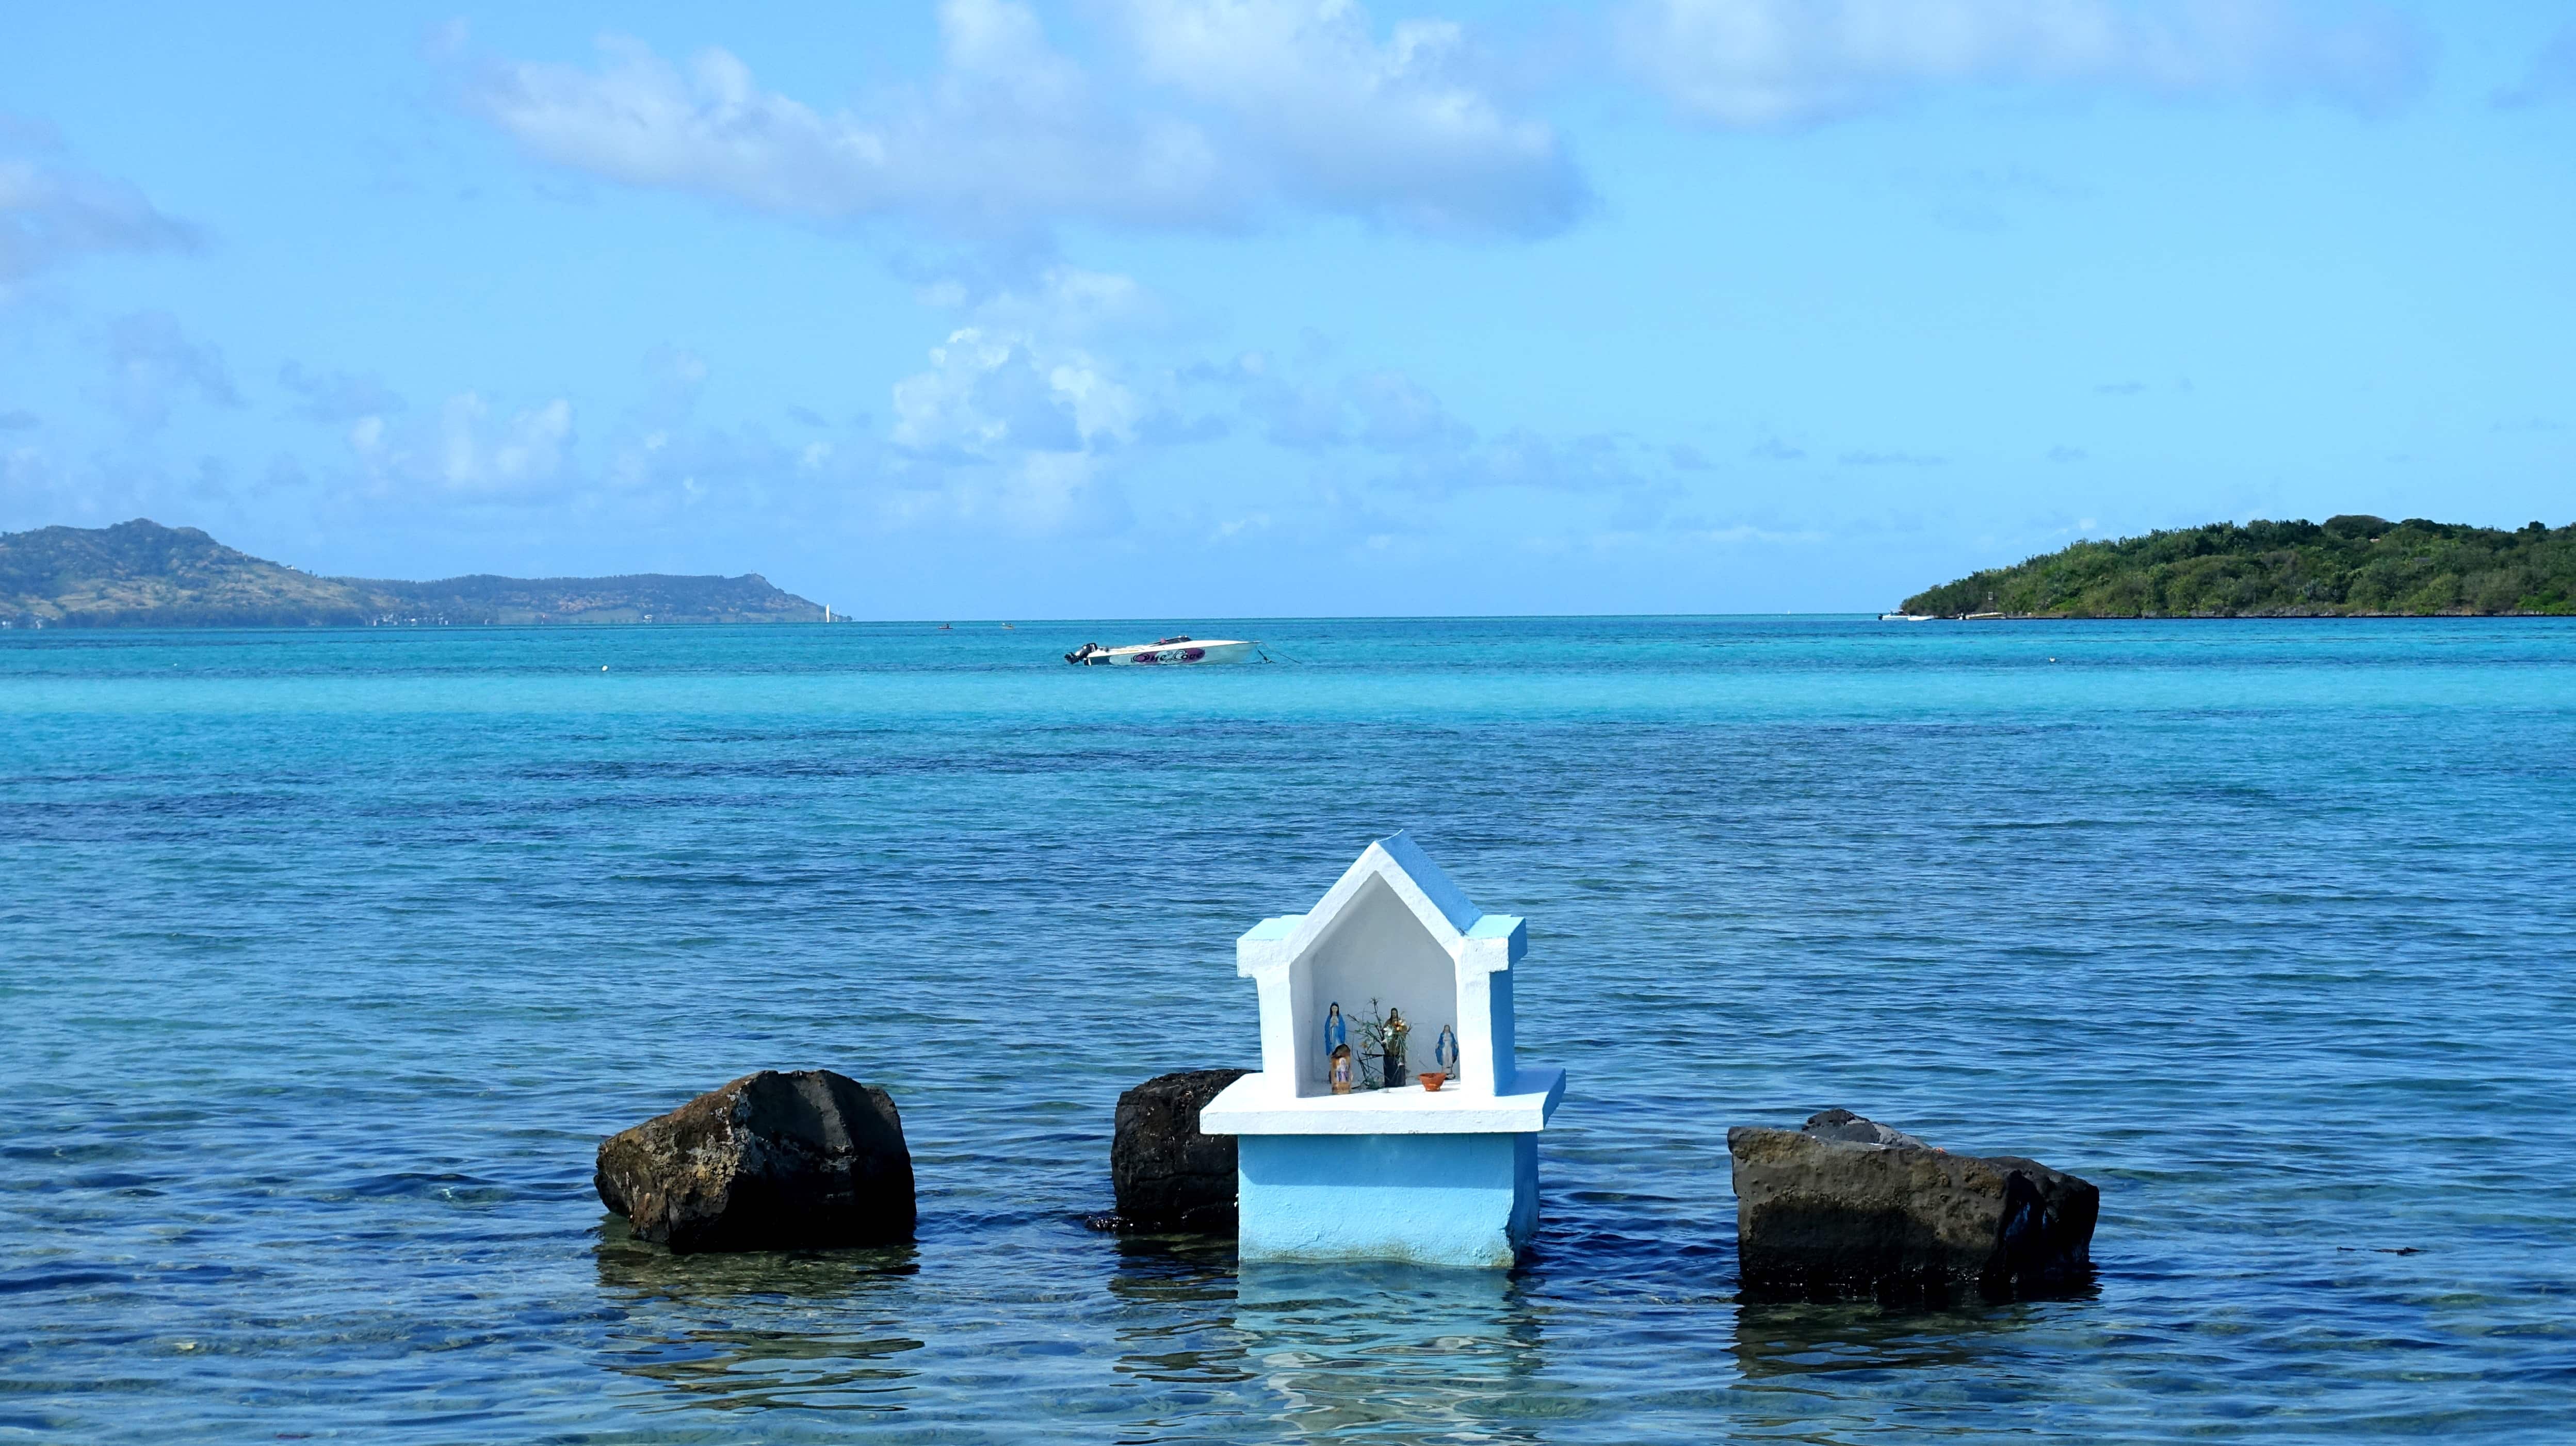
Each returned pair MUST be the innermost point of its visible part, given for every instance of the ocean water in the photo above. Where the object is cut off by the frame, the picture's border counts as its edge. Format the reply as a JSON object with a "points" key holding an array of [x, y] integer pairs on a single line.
{"points": [[326, 960]]}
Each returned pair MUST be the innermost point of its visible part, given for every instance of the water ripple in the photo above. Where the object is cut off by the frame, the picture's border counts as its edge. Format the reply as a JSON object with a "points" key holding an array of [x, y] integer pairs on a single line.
{"points": [[330, 958]]}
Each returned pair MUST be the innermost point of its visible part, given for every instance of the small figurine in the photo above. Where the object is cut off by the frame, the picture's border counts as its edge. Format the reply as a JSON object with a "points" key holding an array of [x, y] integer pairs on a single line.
{"points": [[1341, 1069], [1445, 1052], [1396, 1030], [1336, 1033]]}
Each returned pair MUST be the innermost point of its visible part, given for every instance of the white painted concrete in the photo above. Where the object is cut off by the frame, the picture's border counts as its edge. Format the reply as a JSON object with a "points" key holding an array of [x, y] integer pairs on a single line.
{"points": [[1254, 1105], [1391, 928], [1446, 1177]]}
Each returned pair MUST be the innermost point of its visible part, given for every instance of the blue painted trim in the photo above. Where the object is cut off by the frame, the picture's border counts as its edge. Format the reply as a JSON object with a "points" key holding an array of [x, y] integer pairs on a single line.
{"points": [[1448, 1200]]}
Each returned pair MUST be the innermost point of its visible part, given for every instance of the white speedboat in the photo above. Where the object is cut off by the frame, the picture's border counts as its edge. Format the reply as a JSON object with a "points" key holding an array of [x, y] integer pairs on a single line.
{"points": [[1164, 652]]}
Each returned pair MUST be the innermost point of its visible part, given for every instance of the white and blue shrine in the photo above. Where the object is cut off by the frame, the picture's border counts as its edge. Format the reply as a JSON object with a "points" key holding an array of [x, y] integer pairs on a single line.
{"points": [[1343, 1151]]}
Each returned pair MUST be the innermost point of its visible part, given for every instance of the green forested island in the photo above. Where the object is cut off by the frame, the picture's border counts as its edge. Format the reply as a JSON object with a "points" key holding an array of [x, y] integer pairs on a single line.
{"points": [[141, 574], [2351, 566]]}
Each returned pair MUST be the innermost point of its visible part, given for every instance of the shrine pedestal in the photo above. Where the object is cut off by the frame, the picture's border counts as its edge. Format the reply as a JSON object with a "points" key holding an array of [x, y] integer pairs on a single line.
{"points": [[1456, 1200], [1436, 1177]]}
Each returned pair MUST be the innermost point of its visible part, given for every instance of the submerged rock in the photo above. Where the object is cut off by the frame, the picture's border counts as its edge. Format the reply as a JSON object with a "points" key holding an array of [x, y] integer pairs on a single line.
{"points": [[1168, 1175], [1849, 1207], [801, 1160]]}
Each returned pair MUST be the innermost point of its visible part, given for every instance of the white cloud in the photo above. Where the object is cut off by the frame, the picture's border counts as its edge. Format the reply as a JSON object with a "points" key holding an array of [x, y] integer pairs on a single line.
{"points": [[1303, 415], [983, 395], [1421, 450], [1521, 458], [152, 363], [521, 455], [1395, 130], [1017, 377], [1791, 62], [1384, 411], [1292, 102], [1399, 414], [552, 461], [1010, 134], [52, 213], [337, 396], [2552, 75], [1064, 302], [1015, 420]]}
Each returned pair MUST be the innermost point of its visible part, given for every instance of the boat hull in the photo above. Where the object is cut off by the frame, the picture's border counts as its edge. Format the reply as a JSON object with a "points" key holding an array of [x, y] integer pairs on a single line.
{"points": [[1171, 655]]}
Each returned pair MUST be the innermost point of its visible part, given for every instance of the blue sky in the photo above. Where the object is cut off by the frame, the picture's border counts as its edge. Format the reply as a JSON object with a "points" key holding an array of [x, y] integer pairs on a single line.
{"points": [[1193, 308]]}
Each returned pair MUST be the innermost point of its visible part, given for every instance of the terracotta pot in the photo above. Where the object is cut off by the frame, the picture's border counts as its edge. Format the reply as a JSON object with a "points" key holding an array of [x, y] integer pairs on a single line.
{"points": [[1434, 1080]]}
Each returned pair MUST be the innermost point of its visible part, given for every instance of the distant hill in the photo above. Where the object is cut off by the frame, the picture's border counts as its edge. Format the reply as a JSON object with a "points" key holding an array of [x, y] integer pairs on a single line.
{"points": [[2351, 566], [141, 574]]}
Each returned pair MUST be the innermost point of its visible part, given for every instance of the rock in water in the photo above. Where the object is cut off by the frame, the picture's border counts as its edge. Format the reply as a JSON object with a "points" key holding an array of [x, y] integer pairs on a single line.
{"points": [[1168, 1175], [1847, 1206], [802, 1160]]}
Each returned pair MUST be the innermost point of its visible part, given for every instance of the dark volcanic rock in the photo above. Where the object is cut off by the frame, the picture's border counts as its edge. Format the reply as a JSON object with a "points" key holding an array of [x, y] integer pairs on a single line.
{"points": [[1849, 1207], [1168, 1175], [772, 1161]]}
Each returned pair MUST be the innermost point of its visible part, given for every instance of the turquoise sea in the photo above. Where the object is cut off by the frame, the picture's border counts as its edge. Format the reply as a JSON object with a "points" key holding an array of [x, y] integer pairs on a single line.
{"points": [[326, 959]]}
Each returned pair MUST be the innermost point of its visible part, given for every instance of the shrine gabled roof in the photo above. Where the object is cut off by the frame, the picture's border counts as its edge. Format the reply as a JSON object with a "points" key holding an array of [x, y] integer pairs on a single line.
{"points": [[1434, 899]]}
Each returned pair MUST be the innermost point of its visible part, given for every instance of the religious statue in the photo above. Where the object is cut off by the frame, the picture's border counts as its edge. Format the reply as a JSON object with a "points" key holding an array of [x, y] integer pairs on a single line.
{"points": [[1336, 1033], [1341, 1069], [1445, 1052], [1396, 1030]]}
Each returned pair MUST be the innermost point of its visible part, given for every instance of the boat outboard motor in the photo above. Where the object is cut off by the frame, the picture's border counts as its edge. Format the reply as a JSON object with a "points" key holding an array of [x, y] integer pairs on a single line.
{"points": [[1083, 653]]}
